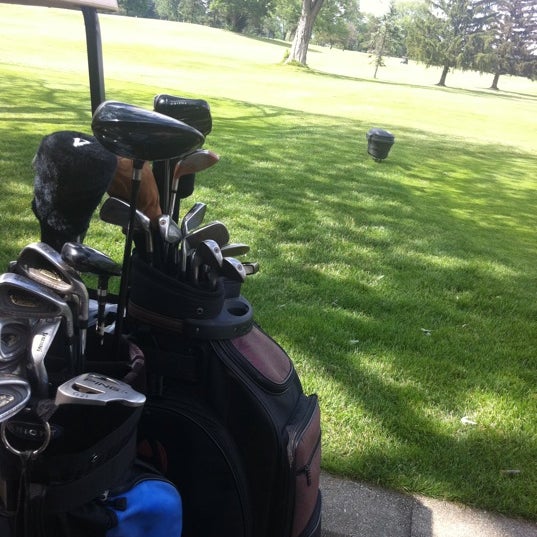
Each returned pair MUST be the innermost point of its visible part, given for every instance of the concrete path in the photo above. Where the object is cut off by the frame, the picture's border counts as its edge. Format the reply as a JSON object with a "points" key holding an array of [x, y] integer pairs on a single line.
{"points": [[353, 509]]}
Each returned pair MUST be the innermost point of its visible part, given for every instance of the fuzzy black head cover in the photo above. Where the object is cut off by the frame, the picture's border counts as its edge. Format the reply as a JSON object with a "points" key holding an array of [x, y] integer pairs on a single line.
{"points": [[72, 173]]}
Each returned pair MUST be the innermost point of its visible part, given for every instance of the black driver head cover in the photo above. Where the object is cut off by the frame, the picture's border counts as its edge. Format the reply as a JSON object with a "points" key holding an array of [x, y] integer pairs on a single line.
{"points": [[72, 173]]}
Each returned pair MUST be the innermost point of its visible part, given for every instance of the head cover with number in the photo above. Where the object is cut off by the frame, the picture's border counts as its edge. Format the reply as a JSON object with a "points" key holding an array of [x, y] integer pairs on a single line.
{"points": [[72, 172]]}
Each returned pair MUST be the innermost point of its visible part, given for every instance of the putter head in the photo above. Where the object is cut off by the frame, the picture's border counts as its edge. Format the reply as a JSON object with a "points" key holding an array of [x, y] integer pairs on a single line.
{"points": [[14, 394], [138, 134], [98, 390], [87, 259]]}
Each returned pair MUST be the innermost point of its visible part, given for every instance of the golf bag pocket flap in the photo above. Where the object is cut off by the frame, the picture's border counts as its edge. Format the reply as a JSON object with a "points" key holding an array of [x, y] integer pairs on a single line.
{"points": [[261, 357], [170, 298]]}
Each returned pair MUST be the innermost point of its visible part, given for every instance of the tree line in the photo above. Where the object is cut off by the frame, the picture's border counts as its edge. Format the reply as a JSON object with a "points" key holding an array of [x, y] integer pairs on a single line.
{"points": [[497, 37]]}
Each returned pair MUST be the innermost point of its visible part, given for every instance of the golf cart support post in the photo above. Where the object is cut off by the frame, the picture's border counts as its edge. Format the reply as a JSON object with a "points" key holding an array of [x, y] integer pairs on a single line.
{"points": [[93, 37]]}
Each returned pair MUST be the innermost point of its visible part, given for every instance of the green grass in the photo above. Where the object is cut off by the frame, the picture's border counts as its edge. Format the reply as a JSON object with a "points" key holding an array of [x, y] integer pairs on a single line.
{"points": [[404, 291]]}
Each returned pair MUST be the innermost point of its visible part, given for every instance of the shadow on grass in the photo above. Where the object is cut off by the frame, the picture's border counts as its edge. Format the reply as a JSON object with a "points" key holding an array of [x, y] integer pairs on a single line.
{"points": [[392, 282]]}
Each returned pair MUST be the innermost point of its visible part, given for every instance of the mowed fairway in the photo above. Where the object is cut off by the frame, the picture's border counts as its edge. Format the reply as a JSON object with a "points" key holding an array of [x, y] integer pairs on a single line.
{"points": [[404, 291]]}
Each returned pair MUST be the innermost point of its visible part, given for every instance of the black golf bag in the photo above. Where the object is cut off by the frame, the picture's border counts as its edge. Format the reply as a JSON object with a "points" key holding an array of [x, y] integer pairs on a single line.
{"points": [[73, 471], [226, 418]]}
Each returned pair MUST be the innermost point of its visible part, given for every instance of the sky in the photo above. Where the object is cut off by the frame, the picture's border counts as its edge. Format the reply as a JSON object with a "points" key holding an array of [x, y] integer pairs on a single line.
{"points": [[375, 7]]}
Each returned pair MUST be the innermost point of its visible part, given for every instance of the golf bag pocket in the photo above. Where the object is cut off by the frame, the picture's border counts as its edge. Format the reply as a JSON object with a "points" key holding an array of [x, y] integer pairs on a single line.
{"points": [[165, 301], [146, 505]]}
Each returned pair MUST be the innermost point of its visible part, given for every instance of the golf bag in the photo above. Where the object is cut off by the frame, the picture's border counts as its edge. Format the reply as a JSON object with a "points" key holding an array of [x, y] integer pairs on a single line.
{"points": [[226, 418], [88, 481]]}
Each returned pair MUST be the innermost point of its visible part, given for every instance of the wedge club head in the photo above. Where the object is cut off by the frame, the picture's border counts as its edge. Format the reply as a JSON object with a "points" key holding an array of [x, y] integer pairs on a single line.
{"points": [[99, 390]]}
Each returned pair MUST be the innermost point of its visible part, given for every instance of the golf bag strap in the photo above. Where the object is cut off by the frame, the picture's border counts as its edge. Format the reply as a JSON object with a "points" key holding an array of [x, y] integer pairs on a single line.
{"points": [[67, 496]]}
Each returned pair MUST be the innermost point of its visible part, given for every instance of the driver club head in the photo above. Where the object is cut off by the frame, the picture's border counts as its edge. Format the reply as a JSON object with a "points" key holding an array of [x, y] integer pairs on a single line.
{"points": [[14, 394], [138, 134], [98, 390]]}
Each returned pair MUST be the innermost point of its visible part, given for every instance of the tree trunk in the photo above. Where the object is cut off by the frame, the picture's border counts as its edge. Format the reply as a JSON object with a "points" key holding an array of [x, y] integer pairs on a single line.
{"points": [[494, 84], [443, 77], [299, 48]]}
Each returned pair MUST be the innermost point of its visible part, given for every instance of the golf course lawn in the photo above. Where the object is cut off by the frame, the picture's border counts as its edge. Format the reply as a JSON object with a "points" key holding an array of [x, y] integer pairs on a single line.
{"points": [[404, 291]]}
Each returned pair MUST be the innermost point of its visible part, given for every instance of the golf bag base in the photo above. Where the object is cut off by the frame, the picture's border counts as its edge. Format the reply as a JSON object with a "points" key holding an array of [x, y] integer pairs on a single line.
{"points": [[227, 421]]}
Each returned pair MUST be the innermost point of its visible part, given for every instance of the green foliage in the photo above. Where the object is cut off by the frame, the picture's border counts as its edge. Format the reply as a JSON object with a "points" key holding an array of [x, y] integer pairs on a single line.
{"points": [[511, 39], [448, 33]]}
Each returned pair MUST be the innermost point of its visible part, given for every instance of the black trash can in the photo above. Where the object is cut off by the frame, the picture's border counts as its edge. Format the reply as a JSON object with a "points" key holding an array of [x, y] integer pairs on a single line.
{"points": [[379, 143]]}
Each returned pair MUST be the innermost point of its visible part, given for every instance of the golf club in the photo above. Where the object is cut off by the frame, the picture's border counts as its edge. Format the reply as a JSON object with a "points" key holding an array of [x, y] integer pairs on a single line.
{"points": [[207, 253], [233, 269], [97, 389], [234, 249], [22, 297], [192, 219], [140, 135], [43, 334], [117, 212], [43, 264], [86, 259], [14, 336], [193, 163], [215, 230], [14, 394]]}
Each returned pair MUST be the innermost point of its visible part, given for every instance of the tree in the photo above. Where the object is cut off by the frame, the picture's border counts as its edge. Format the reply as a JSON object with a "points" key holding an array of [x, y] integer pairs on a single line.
{"points": [[511, 41], [240, 15], [336, 24], [136, 8], [448, 33], [299, 47]]}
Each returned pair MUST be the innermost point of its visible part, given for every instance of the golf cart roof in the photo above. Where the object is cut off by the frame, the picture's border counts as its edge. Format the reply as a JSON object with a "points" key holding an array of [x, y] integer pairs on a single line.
{"points": [[107, 5]]}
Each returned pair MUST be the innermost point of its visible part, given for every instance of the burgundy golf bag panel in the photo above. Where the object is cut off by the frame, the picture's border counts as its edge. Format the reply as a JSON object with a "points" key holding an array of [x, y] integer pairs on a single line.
{"points": [[238, 402]]}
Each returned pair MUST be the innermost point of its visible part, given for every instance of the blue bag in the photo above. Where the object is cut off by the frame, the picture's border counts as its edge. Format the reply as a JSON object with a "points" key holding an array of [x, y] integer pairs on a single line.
{"points": [[149, 507]]}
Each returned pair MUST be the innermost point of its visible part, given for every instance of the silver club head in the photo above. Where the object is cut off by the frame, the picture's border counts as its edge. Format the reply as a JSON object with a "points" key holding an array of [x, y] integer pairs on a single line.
{"points": [[169, 230], [24, 298], [98, 390], [14, 394], [44, 265], [233, 269], [207, 253], [215, 230], [14, 336], [234, 249], [43, 334], [192, 219]]}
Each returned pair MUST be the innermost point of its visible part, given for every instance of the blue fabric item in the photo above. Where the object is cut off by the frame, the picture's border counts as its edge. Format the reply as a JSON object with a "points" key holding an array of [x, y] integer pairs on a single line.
{"points": [[152, 508]]}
